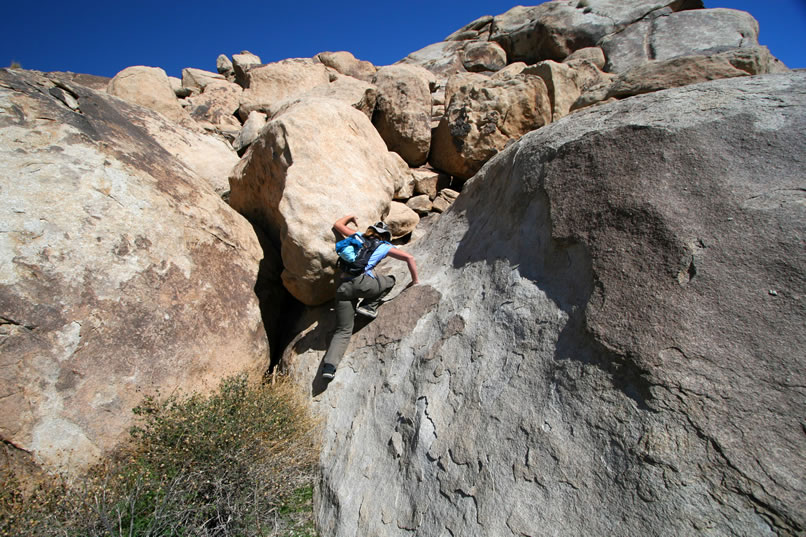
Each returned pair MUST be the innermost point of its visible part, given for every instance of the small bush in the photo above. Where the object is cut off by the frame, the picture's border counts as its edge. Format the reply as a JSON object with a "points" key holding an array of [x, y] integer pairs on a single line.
{"points": [[240, 462]]}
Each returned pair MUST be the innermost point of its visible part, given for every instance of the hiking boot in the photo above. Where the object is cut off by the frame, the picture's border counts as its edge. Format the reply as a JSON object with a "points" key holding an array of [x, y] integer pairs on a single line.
{"points": [[367, 310], [328, 371]]}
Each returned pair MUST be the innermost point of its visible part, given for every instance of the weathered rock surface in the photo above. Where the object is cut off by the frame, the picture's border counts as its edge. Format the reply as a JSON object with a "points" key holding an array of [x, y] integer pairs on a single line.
{"points": [[482, 116], [444, 200], [317, 161], [553, 30], [401, 219], [426, 181], [561, 86], [198, 79], [484, 56], [216, 107], [686, 33], [98, 83], [684, 70], [359, 94], [121, 272], [421, 204], [595, 55], [243, 63], [403, 111], [607, 341], [250, 131], [224, 66], [272, 83], [149, 87], [345, 63], [443, 59]]}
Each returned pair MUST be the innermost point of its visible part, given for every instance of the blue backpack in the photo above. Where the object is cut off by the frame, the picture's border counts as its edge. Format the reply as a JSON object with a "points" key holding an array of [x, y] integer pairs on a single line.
{"points": [[348, 248], [354, 253]]}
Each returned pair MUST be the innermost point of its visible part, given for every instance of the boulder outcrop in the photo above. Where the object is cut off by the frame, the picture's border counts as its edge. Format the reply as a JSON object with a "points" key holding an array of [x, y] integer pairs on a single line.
{"points": [[149, 87], [686, 33], [269, 84], [403, 111], [347, 64], [197, 80], [314, 163], [249, 131], [122, 272], [482, 116], [241, 65], [401, 219], [359, 94], [684, 70], [215, 108], [607, 339], [553, 30]]}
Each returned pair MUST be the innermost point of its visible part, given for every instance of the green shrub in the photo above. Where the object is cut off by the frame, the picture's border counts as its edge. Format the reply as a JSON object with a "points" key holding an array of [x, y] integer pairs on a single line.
{"points": [[240, 462]]}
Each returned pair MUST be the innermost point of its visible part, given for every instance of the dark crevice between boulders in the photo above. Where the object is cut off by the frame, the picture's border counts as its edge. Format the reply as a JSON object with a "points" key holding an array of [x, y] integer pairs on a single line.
{"points": [[279, 310]]}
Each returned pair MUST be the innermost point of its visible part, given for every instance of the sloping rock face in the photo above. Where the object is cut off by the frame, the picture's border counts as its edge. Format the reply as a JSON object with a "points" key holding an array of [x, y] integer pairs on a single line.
{"points": [[122, 272], [607, 341], [317, 161]]}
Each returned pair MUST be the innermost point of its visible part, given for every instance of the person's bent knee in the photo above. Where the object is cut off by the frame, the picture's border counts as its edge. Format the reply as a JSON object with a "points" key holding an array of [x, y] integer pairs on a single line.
{"points": [[345, 291]]}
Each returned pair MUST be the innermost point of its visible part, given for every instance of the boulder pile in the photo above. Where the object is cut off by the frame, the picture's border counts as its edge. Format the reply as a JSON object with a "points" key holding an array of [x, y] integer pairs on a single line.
{"points": [[444, 111], [605, 203]]}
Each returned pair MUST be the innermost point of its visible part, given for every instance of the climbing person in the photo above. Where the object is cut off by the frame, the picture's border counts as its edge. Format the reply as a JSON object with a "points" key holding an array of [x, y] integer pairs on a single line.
{"points": [[360, 280]]}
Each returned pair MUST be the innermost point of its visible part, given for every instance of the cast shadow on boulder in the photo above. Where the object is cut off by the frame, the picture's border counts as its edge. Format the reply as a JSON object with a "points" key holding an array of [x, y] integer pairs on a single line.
{"points": [[516, 226]]}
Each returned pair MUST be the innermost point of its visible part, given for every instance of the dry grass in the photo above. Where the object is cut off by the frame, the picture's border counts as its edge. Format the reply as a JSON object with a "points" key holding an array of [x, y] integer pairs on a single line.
{"points": [[240, 462]]}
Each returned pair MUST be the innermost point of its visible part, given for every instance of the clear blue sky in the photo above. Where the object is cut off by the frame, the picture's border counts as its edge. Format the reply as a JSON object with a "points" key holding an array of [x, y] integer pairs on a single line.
{"points": [[104, 38]]}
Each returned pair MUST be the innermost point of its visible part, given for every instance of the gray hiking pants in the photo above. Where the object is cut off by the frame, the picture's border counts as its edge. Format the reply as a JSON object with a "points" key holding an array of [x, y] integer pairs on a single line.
{"points": [[372, 290]]}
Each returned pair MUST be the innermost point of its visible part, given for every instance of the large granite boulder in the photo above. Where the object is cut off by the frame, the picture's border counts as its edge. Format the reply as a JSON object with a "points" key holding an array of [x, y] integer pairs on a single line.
{"points": [[479, 57], [267, 85], [197, 80], [215, 108], [683, 70], [608, 338], [565, 82], [347, 64], [122, 272], [553, 30], [686, 33], [317, 161], [250, 131], [243, 63], [359, 94], [403, 111], [482, 116], [149, 87], [401, 219]]}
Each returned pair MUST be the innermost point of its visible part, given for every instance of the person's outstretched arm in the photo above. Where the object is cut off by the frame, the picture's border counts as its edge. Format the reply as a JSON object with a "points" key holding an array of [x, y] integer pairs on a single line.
{"points": [[341, 225], [409, 259]]}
